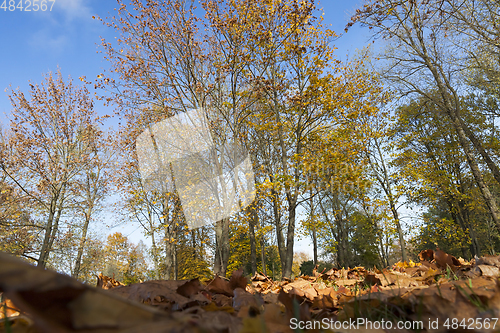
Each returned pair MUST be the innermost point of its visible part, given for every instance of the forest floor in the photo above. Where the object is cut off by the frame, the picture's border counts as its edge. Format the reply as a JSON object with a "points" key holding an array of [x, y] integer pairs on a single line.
{"points": [[439, 294]]}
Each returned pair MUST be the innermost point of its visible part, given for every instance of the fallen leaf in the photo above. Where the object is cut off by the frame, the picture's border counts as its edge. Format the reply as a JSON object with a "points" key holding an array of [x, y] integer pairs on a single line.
{"points": [[242, 298], [444, 260], [490, 271], [219, 286], [238, 280], [190, 288], [426, 255]]}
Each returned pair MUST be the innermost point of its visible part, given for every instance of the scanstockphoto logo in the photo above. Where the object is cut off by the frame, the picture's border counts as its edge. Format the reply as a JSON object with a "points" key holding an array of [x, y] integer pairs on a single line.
{"points": [[213, 181]]}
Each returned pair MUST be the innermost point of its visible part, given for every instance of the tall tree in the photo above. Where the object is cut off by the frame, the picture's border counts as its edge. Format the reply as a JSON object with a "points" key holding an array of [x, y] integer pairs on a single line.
{"points": [[49, 149], [93, 185], [423, 56]]}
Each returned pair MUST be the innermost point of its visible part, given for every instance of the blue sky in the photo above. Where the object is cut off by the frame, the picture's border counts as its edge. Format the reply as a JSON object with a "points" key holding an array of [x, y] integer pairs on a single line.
{"points": [[34, 43]]}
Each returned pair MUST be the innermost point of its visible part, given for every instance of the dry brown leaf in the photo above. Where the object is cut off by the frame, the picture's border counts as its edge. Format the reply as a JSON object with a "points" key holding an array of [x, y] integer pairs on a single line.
{"points": [[489, 260], [346, 282], [270, 298], [222, 300], [294, 306], [298, 284], [258, 277], [327, 298], [238, 280], [242, 298], [221, 321], [106, 282], [190, 288], [219, 286], [428, 265], [260, 286], [275, 319], [160, 293], [490, 271], [378, 279], [7, 308], [426, 255], [444, 260]]}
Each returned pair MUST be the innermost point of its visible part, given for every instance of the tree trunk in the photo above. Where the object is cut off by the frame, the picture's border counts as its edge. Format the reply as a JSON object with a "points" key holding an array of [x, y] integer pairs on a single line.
{"points": [[386, 186], [313, 231], [263, 254], [495, 171], [42, 259], [277, 224], [253, 222], [402, 241], [476, 172], [315, 246], [287, 270], [81, 246], [51, 230], [169, 255], [221, 247]]}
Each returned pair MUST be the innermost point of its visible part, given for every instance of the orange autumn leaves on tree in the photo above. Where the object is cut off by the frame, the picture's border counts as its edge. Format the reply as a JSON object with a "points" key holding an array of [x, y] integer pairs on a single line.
{"points": [[52, 140]]}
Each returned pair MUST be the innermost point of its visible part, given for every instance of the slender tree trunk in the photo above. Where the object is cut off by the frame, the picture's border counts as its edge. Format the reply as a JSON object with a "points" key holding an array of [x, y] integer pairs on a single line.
{"points": [[315, 245], [51, 231], [169, 255], [385, 183], [154, 250], [495, 171], [341, 250], [263, 254], [476, 172], [81, 246], [402, 241], [42, 259], [253, 222], [174, 261], [277, 224], [221, 246], [287, 270], [313, 231], [218, 245]]}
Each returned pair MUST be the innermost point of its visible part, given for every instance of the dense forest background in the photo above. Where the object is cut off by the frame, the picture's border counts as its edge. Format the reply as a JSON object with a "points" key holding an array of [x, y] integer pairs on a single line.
{"points": [[338, 148]]}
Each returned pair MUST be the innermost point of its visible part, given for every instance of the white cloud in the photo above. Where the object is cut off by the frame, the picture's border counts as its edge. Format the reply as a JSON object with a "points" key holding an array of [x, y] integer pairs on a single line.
{"points": [[73, 9], [48, 41]]}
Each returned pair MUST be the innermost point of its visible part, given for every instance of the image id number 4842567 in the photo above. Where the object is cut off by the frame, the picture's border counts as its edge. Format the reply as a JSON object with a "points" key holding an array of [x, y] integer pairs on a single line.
{"points": [[27, 5]]}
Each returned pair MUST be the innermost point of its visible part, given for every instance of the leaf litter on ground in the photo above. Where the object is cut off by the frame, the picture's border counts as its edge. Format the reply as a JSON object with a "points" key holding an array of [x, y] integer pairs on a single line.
{"points": [[439, 287]]}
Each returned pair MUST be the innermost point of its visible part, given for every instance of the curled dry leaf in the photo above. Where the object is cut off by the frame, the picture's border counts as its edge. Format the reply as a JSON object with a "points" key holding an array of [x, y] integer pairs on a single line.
{"points": [[444, 260], [294, 305], [190, 288], [243, 298], [219, 286], [490, 271], [326, 298], [160, 293], [238, 280], [489, 260], [259, 277], [106, 282], [426, 255], [7, 308]]}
